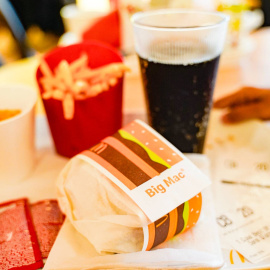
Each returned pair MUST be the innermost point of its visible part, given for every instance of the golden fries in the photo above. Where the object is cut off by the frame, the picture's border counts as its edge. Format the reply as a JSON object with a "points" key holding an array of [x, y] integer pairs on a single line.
{"points": [[76, 81]]}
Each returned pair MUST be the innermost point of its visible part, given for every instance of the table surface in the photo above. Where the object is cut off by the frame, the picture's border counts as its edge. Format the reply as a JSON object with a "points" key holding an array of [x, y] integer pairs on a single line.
{"points": [[237, 68]]}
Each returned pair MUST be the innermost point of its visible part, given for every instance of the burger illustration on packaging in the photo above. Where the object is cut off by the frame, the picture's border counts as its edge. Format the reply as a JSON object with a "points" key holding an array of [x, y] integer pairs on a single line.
{"points": [[134, 184]]}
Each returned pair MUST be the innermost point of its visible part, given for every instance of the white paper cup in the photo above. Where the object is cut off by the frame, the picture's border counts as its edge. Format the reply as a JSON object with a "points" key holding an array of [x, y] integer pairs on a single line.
{"points": [[17, 144]]}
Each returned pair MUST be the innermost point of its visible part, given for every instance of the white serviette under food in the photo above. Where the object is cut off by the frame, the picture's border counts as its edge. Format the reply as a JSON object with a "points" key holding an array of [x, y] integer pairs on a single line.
{"points": [[197, 248]]}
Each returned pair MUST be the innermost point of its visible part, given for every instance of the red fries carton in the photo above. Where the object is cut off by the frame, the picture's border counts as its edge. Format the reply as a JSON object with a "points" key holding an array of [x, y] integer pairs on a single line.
{"points": [[81, 88]]}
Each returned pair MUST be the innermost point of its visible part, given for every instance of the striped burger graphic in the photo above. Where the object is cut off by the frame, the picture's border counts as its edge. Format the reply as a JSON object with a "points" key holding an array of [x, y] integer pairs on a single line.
{"points": [[135, 155]]}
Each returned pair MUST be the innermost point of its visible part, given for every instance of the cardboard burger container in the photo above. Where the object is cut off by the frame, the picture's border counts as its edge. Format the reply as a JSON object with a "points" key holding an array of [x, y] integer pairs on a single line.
{"points": [[135, 184]]}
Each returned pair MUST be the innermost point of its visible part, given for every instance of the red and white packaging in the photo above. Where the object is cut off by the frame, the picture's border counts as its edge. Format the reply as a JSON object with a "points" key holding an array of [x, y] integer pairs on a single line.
{"points": [[134, 183]]}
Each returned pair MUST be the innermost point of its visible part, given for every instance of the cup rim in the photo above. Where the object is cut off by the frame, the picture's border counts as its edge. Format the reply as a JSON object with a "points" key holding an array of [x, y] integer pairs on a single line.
{"points": [[135, 17], [29, 106]]}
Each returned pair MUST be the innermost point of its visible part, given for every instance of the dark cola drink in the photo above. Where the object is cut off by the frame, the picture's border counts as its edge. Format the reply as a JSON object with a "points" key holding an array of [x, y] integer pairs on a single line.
{"points": [[179, 98]]}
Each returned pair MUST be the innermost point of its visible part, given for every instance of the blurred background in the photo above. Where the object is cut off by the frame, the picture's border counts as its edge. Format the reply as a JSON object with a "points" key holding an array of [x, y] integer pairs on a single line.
{"points": [[29, 27]]}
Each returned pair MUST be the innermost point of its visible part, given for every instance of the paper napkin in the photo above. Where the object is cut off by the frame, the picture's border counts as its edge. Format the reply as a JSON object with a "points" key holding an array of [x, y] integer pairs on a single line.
{"points": [[197, 248]]}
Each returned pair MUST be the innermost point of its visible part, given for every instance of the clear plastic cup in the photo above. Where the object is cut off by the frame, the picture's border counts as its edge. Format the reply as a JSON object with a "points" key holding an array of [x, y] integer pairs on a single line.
{"points": [[179, 53]]}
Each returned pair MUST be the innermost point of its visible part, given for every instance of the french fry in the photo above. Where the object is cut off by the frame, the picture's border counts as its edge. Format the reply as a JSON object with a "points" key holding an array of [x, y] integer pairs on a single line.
{"points": [[58, 94], [79, 87], [68, 106], [76, 81], [94, 90], [112, 81], [84, 74], [48, 81], [59, 81], [79, 64], [47, 88], [59, 84], [45, 69], [80, 96], [47, 95], [105, 86], [65, 73]]}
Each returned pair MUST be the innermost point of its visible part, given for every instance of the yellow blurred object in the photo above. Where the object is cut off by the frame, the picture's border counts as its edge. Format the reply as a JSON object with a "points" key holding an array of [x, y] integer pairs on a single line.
{"points": [[235, 9], [9, 49], [237, 5], [253, 4], [170, 3], [159, 3], [40, 40]]}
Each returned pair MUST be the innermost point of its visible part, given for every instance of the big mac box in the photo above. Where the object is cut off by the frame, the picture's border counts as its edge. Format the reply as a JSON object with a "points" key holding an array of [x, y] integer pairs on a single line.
{"points": [[81, 88], [132, 191]]}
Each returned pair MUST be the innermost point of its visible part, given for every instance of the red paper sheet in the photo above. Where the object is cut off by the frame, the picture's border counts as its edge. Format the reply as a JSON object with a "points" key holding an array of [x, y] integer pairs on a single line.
{"points": [[18, 242], [47, 219]]}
